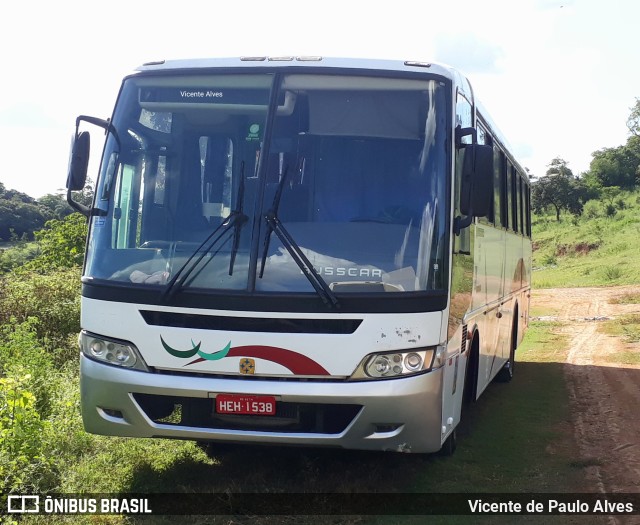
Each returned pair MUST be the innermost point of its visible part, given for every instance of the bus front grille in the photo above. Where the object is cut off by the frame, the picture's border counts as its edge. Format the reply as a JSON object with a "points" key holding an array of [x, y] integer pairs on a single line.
{"points": [[289, 417]]}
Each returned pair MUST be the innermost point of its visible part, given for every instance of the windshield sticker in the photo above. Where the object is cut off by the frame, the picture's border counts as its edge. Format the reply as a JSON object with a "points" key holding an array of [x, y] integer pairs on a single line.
{"points": [[297, 363], [254, 133]]}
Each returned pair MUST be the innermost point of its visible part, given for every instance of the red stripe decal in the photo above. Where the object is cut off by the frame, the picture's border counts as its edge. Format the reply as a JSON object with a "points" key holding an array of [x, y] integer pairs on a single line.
{"points": [[295, 362]]}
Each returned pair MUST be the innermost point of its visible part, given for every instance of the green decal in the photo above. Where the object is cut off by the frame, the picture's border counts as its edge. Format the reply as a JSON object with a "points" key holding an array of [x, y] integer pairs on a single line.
{"points": [[185, 354], [182, 354], [216, 355]]}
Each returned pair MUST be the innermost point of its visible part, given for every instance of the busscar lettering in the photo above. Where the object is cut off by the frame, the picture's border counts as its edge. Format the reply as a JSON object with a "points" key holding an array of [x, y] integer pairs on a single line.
{"points": [[349, 272]]}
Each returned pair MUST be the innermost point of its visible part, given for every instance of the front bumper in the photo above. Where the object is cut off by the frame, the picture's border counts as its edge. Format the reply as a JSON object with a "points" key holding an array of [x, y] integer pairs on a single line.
{"points": [[401, 414]]}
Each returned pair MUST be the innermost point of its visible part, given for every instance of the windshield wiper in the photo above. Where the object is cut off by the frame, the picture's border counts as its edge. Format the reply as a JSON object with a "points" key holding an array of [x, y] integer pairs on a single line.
{"points": [[235, 220], [242, 218], [275, 225]]}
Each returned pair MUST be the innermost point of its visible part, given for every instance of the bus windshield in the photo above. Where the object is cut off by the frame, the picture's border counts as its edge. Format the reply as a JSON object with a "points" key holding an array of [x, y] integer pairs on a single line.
{"points": [[353, 168]]}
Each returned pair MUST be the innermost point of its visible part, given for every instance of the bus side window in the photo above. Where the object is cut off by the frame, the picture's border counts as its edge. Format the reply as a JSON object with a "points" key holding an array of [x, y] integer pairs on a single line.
{"points": [[528, 209], [509, 196], [520, 204], [513, 179], [499, 187]]}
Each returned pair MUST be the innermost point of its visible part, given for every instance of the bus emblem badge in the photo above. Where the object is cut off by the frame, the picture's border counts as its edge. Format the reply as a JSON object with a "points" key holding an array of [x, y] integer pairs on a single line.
{"points": [[247, 366]]}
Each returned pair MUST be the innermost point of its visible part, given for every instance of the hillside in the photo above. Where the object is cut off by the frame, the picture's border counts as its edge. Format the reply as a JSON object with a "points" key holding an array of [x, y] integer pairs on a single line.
{"points": [[598, 248]]}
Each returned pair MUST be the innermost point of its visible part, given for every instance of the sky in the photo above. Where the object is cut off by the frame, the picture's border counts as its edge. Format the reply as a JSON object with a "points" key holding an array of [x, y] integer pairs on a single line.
{"points": [[558, 77]]}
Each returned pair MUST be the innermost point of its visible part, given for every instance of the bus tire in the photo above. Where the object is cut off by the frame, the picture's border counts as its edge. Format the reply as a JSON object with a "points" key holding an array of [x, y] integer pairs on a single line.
{"points": [[506, 372], [471, 374]]}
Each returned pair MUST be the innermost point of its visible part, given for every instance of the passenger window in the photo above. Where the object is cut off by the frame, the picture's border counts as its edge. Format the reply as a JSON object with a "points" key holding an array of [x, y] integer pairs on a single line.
{"points": [[498, 187], [509, 195], [514, 199], [463, 115]]}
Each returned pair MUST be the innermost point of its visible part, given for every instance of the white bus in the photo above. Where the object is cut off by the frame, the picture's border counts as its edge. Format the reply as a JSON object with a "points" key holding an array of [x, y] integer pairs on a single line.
{"points": [[299, 250]]}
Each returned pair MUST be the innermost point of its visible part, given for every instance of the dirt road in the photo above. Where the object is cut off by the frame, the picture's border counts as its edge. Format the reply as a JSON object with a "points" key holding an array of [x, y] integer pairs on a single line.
{"points": [[604, 392]]}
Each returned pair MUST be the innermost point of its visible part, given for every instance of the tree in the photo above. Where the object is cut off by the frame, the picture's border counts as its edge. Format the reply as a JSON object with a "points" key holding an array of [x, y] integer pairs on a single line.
{"points": [[617, 166], [57, 204], [633, 122], [559, 188], [19, 219]]}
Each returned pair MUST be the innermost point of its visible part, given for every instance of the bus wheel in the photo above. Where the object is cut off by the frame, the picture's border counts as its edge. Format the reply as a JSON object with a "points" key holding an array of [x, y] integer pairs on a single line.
{"points": [[506, 373], [450, 444]]}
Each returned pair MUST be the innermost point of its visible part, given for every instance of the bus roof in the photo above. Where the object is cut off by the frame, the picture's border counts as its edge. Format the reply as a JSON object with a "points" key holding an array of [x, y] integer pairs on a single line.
{"points": [[302, 62], [315, 62]]}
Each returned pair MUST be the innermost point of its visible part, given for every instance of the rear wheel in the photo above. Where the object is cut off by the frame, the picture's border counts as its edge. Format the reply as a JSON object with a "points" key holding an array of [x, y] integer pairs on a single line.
{"points": [[471, 375]]}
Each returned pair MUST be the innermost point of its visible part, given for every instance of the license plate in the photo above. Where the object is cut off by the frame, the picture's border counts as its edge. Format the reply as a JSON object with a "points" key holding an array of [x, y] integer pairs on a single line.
{"points": [[245, 405]]}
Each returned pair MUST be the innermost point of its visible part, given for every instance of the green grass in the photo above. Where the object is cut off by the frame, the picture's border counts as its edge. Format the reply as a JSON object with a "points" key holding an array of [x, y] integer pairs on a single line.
{"points": [[626, 326], [628, 298], [543, 344], [588, 250]]}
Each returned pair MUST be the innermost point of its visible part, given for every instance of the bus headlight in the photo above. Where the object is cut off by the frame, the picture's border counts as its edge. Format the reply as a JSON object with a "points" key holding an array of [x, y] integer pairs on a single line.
{"points": [[118, 353], [399, 363]]}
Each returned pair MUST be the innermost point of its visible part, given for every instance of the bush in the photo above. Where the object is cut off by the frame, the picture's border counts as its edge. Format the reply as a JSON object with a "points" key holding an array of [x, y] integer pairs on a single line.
{"points": [[53, 298], [592, 210], [549, 259], [24, 466], [40, 425], [61, 243], [18, 255], [612, 273], [21, 350]]}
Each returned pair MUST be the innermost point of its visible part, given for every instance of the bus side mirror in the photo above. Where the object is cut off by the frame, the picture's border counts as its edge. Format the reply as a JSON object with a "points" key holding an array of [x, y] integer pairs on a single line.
{"points": [[482, 187], [477, 180], [78, 166], [79, 162]]}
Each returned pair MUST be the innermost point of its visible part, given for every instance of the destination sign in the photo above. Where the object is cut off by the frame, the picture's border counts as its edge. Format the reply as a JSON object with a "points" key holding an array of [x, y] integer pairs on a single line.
{"points": [[211, 95]]}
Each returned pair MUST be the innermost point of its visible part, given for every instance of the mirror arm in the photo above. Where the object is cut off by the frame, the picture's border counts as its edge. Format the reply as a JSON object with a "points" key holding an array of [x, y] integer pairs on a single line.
{"points": [[465, 132], [460, 223], [77, 206], [101, 123], [104, 124]]}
